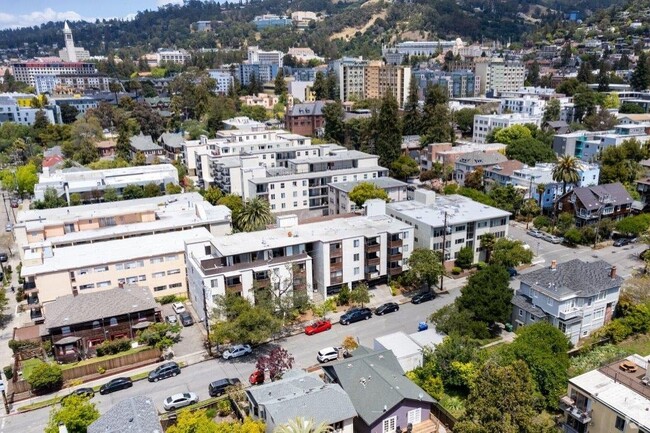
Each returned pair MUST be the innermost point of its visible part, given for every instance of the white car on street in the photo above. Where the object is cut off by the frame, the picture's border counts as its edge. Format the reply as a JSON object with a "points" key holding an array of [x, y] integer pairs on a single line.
{"points": [[237, 351], [328, 354], [178, 307], [178, 401]]}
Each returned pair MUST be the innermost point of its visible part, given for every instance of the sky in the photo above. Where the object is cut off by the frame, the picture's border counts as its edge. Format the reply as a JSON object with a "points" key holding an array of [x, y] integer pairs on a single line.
{"points": [[22, 13]]}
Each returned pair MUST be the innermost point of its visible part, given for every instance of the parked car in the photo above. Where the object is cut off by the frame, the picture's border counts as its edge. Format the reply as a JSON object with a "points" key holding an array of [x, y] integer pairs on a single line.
{"points": [[115, 385], [621, 242], [513, 272], [14, 203], [186, 318], [256, 377], [237, 351], [423, 297], [219, 387], [178, 307], [163, 371], [547, 237], [535, 233], [319, 326], [9, 227], [355, 315], [180, 400], [386, 308], [171, 319], [83, 392], [328, 354], [3, 257], [555, 239]]}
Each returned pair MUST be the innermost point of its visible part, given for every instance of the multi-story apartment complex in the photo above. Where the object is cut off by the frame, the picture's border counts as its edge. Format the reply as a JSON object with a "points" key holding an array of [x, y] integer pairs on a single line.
{"points": [[449, 223], [485, 123], [164, 55], [91, 184], [317, 258], [157, 262], [81, 103], [350, 74], [460, 84], [11, 110], [270, 20], [500, 74], [576, 297], [527, 105], [425, 48], [27, 71], [339, 193], [380, 79], [224, 80], [65, 84], [257, 56], [611, 398]]}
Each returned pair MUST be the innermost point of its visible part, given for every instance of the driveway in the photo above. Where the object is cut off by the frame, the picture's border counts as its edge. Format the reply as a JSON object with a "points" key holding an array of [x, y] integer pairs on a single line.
{"points": [[191, 336]]}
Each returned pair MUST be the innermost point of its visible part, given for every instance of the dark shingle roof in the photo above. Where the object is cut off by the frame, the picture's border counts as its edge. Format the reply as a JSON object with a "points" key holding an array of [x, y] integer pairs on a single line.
{"points": [[523, 303], [308, 109], [133, 415], [143, 143], [69, 310], [572, 278], [593, 197], [374, 380], [172, 140]]}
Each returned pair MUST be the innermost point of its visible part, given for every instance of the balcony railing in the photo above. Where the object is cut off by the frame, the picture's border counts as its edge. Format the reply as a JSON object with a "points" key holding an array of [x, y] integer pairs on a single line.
{"points": [[395, 256], [336, 280], [394, 243], [336, 252], [373, 260], [571, 313], [373, 247], [582, 416], [234, 288], [566, 428], [372, 275], [33, 300], [336, 266], [395, 271]]}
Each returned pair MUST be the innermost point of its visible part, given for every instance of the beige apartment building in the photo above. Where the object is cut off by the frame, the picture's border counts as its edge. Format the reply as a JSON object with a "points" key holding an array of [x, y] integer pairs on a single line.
{"points": [[156, 261], [380, 79]]}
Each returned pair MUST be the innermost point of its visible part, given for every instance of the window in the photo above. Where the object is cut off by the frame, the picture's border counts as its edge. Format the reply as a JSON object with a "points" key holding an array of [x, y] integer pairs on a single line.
{"points": [[119, 266], [459, 241], [414, 416], [356, 257], [459, 228], [156, 260], [159, 288], [173, 271], [65, 330], [619, 424], [87, 286], [282, 195], [158, 274], [356, 271], [602, 295], [103, 284], [389, 424], [356, 243], [175, 285], [101, 269], [113, 321], [599, 313], [521, 312], [282, 185], [96, 324], [171, 258]]}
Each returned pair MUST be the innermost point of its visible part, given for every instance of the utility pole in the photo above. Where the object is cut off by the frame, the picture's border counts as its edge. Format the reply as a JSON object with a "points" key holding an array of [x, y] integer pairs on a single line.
{"points": [[207, 322], [442, 258], [600, 216]]}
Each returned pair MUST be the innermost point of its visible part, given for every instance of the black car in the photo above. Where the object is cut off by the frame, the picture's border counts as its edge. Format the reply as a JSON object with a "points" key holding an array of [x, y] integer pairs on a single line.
{"points": [[512, 272], [83, 392], [621, 242], [186, 319], [218, 387], [423, 297], [386, 308], [355, 315], [116, 385], [163, 371], [3, 257]]}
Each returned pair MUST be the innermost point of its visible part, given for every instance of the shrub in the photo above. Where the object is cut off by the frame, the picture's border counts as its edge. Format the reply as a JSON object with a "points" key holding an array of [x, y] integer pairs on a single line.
{"points": [[465, 258], [211, 413], [451, 188], [456, 270], [573, 236], [595, 358], [170, 299], [113, 347], [45, 377], [542, 221], [8, 371], [343, 297], [223, 407], [19, 345], [481, 265]]}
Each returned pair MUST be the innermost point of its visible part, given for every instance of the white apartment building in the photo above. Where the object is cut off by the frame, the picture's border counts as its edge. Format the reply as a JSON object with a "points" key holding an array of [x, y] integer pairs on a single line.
{"points": [[157, 261], [316, 257], [45, 230], [350, 73], [577, 297], [27, 71], [304, 54], [261, 57], [526, 105], [485, 123], [426, 48], [224, 80], [500, 75], [591, 148], [339, 193], [91, 184], [449, 223], [164, 55], [12, 111]]}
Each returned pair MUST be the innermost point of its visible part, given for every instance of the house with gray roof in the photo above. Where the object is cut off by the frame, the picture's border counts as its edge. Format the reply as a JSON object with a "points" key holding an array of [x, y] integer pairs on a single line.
{"points": [[469, 162], [383, 397], [145, 145], [306, 119], [299, 394], [592, 203], [172, 144], [133, 415], [576, 297]]}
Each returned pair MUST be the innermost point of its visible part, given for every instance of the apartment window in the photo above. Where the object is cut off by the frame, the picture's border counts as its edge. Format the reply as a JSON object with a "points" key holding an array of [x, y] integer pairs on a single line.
{"points": [[83, 271], [356, 243], [589, 301], [103, 284], [272, 207], [284, 205], [175, 285], [283, 195], [521, 312], [356, 271], [459, 228], [65, 330], [173, 271], [171, 258], [619, 424], [459, 241], [282, 185], [87, 286], [356, 257], [132, 280], [295, 194], [295, 204], [599, 313], [159, 288], [272, 186], [101, 269], [602, 295], [113, 321], [142, 278], [388, 425], [272, 196]]}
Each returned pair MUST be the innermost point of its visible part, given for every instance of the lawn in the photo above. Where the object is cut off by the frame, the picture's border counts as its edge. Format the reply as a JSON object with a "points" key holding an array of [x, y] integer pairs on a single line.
{"points": [[29, 365], [103, 358], [639, 344]]}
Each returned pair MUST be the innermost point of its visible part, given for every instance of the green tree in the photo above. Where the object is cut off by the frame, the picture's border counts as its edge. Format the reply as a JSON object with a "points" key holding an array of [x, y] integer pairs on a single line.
{"points": [[507, 198], [631, 108], [412, 120], [437, 118], [465, 257], [332, 86], [474, 179], [640, 79], [76, 414], [234, 203], [26, 178], [132, 192], [465, 120], [45, 377], [584, 102], [530, 151], [245, 323], [602, 120], [510, 253], [280, 84], [212, 195], [139, 159], [453, 320], [512, 133], [530, 209], [366, 191], [320, 86], [634, 225], [151, 190], [161, 335], [110, 194], [425, 267], [360, 294], [254, 215], [343, 298], [454, 352], [172, 188], [567, 171], [404, 167], [552, 111], [69, 113], [334, 125], [603, 77], [388, 136], [487, 244], [584, 73], [488, 295], [502, 399], [50, 200]]}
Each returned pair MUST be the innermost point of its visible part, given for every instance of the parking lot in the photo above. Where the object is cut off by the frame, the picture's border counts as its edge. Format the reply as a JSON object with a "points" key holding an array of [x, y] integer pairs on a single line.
{"points": [[191, 336]]}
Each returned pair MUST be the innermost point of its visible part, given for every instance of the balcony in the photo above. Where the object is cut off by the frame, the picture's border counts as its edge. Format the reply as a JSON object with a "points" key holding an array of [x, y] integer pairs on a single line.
{"points": [[233, 288], [372, 275], [372, 247], [395, 271], [336, 280], [336, 266], [395, 243], [570, 313], [373, 260], [579, 414], [566, 428], [336, 252], [33, 301], [395, 256]]}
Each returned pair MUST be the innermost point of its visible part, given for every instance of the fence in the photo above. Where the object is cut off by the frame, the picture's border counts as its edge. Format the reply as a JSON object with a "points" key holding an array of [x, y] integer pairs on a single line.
{"points": [[131, 360]]}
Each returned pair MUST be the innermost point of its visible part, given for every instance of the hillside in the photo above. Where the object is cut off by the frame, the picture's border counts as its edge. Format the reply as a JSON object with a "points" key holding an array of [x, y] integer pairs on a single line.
{"points": [[354, 28]]}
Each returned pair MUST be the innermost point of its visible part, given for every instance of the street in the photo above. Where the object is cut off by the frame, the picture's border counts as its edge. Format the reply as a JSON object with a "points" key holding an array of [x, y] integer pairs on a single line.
{"points": [[196, 377]]}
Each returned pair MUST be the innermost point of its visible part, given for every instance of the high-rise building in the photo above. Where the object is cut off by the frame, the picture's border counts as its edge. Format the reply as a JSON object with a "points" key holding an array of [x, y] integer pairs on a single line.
{"points": [[71, 53], [500, 74], [350, 74], [380, 79]]}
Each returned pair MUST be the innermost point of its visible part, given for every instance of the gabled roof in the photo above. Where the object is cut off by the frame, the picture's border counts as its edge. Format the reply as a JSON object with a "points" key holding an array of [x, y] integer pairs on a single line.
{"points": [[308, 109], [172, 139], [523, 303], [505, 168], [133, 415], [143, 143], [572, 278], [481, 158], [69, 310], [594, 197], [374, 380]]}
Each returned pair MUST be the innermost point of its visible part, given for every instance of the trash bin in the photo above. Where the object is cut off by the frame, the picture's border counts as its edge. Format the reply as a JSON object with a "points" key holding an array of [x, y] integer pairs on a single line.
{"points": [[508, 327]]}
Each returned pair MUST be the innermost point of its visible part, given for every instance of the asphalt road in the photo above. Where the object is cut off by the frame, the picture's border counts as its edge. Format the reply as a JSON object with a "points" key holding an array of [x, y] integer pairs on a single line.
{"points": [[196, 377]]}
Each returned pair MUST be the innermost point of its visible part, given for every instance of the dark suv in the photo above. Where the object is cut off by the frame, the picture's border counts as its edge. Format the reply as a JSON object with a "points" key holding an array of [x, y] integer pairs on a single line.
{"points": [[355, 315], [163, 371], [218, 387]]}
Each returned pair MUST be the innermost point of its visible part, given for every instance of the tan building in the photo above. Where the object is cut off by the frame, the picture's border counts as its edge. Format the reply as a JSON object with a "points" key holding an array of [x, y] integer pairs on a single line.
{"points": [[157, 261], [380, 79], [612, 398]]}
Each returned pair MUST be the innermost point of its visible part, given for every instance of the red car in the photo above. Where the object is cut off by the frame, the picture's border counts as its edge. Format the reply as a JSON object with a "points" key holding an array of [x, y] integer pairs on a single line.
{"points": [[256, 378], [316, 327]]}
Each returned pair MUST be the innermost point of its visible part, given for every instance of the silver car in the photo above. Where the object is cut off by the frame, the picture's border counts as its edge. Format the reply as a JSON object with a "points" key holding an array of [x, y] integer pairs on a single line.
{"points": [[178, 401]]}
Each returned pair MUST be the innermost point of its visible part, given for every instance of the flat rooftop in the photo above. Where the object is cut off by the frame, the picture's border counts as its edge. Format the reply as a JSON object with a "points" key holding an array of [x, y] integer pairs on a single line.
{"points": [[323, 231], [88, 255], [339, 156], [328, 173], [380, 182], [459, 210]]}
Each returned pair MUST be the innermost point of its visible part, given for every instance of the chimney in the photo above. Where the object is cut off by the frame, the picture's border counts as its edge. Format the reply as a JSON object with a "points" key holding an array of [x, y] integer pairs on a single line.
{"points": [[553, 265], [612, 272], [120, 285]]}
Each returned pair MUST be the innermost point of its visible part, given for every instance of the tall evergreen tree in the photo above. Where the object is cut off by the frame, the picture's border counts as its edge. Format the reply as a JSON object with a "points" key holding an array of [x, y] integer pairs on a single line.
{"points": [[332, 86], [412, 118], [603, 77], [388, 134], [320, 86], [280, 84], [533, 74], [640, 79], [334, 126], [584, 73], [436, 125]]}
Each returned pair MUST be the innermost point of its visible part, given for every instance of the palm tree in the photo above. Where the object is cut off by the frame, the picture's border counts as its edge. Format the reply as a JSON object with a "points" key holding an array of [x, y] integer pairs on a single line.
{"points": [[541, 187], [300, 425], [567, 170], [255, 215]]}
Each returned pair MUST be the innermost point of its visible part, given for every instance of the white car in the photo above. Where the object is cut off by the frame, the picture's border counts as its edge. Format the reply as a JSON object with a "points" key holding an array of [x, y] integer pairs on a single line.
{"points": [[237, 351], [328, 354], [171, 319], [177, 401], [178, 307]]}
